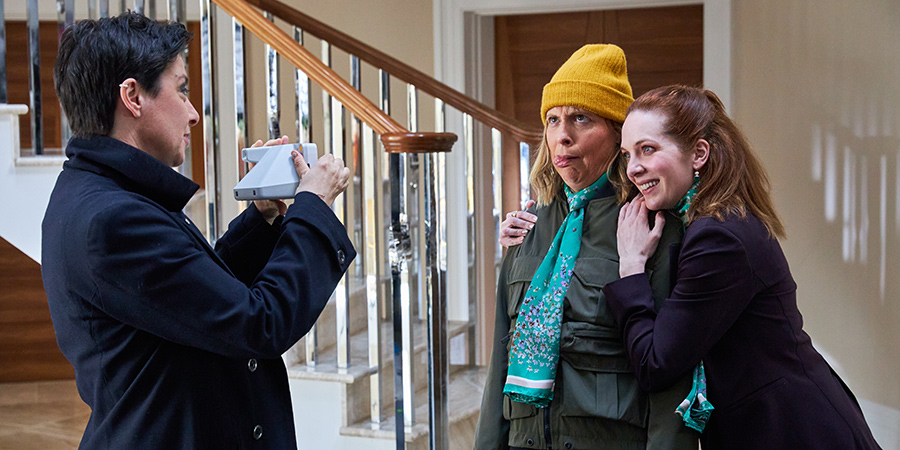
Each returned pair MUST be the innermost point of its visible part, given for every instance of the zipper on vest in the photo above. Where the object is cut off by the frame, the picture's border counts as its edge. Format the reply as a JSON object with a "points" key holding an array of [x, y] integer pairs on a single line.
{"points": [[547, 438]]}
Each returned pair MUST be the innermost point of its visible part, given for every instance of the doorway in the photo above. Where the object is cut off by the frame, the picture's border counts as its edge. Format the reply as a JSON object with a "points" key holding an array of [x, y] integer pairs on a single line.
{"points": [[662, 46]]}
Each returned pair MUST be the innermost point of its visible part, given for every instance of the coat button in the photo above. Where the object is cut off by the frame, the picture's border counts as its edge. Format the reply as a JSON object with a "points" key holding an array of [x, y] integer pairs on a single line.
{"points": [[530, 442], [251, 365], [257, 432], [341, 256], [569, 445]]}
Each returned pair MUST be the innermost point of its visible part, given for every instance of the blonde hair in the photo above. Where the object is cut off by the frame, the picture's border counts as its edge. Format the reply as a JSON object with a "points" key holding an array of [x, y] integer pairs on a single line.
{"points": [[733, 179]]}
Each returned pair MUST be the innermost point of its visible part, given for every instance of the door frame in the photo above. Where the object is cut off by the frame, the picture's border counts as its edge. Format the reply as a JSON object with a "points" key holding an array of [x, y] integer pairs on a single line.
{"points": [[461, 25], [464, 60]]}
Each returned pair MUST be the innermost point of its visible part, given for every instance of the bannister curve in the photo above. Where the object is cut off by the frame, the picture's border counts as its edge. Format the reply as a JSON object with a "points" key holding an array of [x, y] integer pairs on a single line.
{"points": [[332, 83], [489, 116], [417, 142]]}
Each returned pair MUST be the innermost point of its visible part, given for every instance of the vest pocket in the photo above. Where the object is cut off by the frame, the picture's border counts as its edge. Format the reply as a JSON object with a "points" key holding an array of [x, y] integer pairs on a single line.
{"points": [[516, 410], [595, 378], [519, 278]]}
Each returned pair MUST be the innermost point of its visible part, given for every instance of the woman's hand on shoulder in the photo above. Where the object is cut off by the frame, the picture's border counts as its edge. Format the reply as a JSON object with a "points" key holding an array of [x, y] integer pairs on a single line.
{"points": [[516, 226], [635, 240]]}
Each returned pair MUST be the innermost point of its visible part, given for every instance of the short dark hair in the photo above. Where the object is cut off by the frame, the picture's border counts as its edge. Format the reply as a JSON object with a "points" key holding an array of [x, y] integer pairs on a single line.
{"points": [[96, 55]]}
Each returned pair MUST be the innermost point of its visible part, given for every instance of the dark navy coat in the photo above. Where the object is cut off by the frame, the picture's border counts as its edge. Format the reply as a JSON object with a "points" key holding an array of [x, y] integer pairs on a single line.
{"points": [[176, 345], [734, 305]]}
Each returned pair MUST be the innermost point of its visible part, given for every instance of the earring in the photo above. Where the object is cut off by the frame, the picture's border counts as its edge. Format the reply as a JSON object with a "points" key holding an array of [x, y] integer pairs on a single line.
{"points": [[123, 85], [696, 175]]}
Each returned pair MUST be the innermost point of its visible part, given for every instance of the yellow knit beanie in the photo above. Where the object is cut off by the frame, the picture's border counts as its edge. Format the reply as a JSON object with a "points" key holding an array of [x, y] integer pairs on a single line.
{"points": [[594, 78]]}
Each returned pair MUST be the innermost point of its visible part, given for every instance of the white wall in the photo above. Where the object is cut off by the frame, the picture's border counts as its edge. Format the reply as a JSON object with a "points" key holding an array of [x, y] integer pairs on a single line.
{"points": [[25, 186]]}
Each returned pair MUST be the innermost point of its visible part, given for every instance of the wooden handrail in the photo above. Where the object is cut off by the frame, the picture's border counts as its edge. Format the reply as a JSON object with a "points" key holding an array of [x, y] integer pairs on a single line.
{"points": [[331, 82], [489, 116]]}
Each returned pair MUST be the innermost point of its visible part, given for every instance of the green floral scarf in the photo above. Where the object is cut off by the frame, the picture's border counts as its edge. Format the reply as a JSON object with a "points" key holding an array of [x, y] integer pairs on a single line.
{"points": [[695, 409], [534, 354]]}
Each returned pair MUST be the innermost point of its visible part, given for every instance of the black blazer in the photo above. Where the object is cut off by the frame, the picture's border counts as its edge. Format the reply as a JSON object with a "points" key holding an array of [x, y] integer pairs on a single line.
{"points": [[734, 306], [171, 349]]}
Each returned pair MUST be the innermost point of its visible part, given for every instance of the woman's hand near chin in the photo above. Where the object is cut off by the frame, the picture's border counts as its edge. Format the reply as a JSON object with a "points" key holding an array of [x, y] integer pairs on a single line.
{"points": [[635, 240]]}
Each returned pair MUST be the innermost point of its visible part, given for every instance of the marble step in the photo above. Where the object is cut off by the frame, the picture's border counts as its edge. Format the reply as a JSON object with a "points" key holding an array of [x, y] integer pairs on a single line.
{"points": [[464, 393], [356, 393]]}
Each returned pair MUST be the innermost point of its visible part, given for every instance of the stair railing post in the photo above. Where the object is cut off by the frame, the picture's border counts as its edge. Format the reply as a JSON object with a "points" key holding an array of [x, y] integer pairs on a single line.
{"points": [[66, 17], [34, 77], [436, 312], [210, 119], [4, 96], [302, 102], [398, 248]]}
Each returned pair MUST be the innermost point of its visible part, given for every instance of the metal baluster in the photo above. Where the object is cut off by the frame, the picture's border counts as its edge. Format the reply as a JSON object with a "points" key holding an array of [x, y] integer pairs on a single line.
{"points": [[413, 276], [469, 152], [139, 6], [177, 10], [34, 78], [436, 307], [335, 143], [355, 211], [398, 242], [399, 245], [66, 17], [240, 95], [342, 291], [440, 124], [524, 168], [302, 97], [4, 97], [178, 13], [304, 133], [104, 8], [272, 108], [123, 6], [151, 9], [210, 132], [374, 254], [381, 239], [497, 184], [92, 9]]}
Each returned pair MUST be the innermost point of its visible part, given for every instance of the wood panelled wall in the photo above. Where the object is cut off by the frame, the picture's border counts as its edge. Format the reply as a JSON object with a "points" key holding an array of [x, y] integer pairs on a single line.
{"points": [[27, 343], [662, 46], [18, 60]]}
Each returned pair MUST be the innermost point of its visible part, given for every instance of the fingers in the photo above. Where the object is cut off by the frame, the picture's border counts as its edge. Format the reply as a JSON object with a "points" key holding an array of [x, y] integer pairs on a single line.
{"points": [[508, 241], [657, 230], [299, 163], [521, 219], [277, 141]]}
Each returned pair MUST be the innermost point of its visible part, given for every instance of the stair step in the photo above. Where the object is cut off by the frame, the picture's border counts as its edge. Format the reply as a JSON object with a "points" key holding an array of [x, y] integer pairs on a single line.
{"points": [[464, 393], [326, 368]]}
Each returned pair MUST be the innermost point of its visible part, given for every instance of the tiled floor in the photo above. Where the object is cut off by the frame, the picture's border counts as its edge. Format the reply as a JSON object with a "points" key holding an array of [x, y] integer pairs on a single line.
{"points": [[47, 415]]}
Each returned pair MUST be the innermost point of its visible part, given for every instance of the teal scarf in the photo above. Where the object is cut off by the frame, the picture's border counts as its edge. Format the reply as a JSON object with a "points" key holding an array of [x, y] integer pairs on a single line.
{"points": [[534, 354], [695, 409]]}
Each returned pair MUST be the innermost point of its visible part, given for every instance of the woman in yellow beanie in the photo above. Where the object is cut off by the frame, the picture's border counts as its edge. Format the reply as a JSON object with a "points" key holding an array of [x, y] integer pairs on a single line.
{"points": [[559, 377]]}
